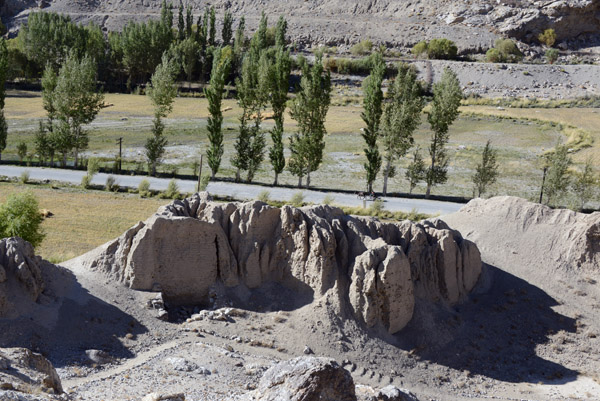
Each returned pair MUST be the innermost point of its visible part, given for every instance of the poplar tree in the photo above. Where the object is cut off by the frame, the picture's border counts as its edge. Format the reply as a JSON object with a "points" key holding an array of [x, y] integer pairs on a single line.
{"points": [[214, 94], [444, 110], [212, 30], [180, 23], [189, 22], [3, 72], [309, 109], [161, 92], [486, 172], [584, 183], [371, 115], [280, 81], [280, 32], [557, 178], [227, 32], [415, 171], [401, 117]]}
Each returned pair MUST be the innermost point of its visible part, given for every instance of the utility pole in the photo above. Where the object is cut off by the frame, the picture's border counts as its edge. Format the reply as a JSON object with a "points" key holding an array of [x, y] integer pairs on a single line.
{"points": [[120, 142], [199, 173], [543, 181]]}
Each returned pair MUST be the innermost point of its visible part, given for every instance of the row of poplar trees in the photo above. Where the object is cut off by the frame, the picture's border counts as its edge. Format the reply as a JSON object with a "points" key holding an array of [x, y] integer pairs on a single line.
{"points": [[392, 120]]}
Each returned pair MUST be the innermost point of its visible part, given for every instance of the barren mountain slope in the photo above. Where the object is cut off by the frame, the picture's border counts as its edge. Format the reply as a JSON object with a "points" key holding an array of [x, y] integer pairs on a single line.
{"points": [[473, 25]]}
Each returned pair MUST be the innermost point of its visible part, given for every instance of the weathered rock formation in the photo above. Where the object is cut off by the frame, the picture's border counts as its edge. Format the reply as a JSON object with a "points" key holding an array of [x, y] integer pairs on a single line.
{"points": [[21, 277], [24, 371], [305, 379], [191, 247], [562, 239]]}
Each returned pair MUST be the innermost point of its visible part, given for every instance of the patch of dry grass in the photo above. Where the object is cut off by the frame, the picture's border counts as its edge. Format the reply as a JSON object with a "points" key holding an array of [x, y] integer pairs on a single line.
{"points": [[83, 220]]}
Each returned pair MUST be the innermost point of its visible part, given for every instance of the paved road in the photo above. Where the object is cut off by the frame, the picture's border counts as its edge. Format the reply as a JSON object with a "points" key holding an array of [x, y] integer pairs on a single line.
{"points": [[238, 191]]}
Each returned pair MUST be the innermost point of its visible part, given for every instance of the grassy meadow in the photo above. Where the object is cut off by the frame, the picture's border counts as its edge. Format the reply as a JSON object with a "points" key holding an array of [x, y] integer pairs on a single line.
{"points": [[520, 135], [83, 220]]}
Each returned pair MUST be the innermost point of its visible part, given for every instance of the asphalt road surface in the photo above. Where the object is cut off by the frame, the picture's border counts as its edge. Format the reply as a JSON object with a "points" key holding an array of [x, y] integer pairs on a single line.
{"points": [[237, 191]]}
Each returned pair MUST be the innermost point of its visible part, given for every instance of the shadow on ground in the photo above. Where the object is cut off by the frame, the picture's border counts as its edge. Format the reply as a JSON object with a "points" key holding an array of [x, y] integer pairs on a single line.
{"points": [[494, 334], [71, 321]]}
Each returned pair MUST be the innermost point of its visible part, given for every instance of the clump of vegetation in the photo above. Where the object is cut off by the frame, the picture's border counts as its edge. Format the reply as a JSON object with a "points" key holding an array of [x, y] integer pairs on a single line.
{"points": [[328, 199], [362, 48], [24, 177], [93, 166], [585, 183], [437, 49], [20, 217], [22, 151], [548, 37], [376, 207], [551, 55], [297, 200], [383, 214], [264, 196], [111, 184], [172, 191], [504, 51], [557, 177], [144, 188], [203, 183]]}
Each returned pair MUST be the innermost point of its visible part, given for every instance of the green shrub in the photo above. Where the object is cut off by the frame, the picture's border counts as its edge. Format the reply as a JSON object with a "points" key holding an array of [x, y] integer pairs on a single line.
{"points": [[93, 166], [509, 51], [22, 151], [24, 177], [419, 49], [376, 207], [442, 49], [362, 48], [493, 56], [548, 37], [111, 184], [144, 188], [172, 191], [328, 199], [20, 217], [264, 196], [204, 180], [85, 181], [297, 200], [551, 55]]}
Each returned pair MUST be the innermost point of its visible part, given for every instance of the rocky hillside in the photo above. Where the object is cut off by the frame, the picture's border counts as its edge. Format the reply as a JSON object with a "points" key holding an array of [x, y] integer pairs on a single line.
{"points": [[474, 25]]}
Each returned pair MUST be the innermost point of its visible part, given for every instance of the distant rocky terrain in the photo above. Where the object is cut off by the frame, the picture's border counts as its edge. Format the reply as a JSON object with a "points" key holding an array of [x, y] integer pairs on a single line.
{"points": [[473, 25]]}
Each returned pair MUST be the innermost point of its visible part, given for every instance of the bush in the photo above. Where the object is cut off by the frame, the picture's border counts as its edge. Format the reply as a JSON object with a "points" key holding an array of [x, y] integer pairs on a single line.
{"points": [[144, 188], [551, 55], [548, 37], [328, 199], [297, 199], [172, 191], [85, 181], [20, 217], [111, 184], [22, 151], [493, 56], [264, 196], [362, 48], [376, 207], [442, 49], [204, 181], [93, 166], [509, 51], [24, 177], [419, 49]]}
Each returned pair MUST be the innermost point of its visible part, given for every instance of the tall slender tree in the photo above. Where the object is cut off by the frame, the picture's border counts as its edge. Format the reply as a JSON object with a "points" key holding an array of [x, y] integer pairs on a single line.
{"points": [[3, 72], [401, 117], [214, 94], [280, 32], [212, 30], [280, 81], [189, 22], [227, 32], [310, 110], [444, 110], [180, 23], [557, 179], [486, 172], [48, 129], [161, 92], [371, 115]]}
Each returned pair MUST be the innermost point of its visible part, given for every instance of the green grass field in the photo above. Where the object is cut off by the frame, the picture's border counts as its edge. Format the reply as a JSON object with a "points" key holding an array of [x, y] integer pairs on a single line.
{"points": [[520, 135]]}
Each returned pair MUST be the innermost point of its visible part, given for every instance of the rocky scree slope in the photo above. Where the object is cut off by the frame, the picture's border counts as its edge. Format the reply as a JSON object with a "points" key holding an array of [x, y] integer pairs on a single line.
{"points": [[474, 25], [196, 251]]}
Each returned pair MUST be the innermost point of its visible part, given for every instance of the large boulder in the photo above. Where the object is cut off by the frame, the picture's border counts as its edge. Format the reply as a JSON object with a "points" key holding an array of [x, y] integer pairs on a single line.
{"points": [[305, 379], [193, 246], [24, 371], [21, 279]]}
